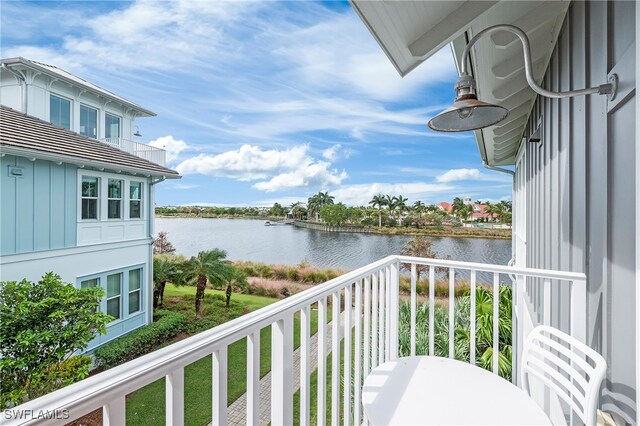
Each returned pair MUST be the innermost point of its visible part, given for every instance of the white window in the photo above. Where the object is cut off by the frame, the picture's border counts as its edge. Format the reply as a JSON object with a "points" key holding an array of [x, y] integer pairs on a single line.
{"points": [[88, 121], [60, 111], [135, 200], [123, 291], [93, 282], [114, 295], [90, 195], [114, 199], [111, 126], [135, 289]]}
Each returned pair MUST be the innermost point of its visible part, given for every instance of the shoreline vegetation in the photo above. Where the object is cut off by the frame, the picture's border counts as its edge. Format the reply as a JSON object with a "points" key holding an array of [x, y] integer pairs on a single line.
{"points": [[384, 214], [426, 230]]}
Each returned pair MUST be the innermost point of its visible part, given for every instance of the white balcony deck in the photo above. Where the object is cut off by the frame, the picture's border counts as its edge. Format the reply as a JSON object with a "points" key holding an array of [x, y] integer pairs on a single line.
{"points": [[373, 339], [148, 152]]}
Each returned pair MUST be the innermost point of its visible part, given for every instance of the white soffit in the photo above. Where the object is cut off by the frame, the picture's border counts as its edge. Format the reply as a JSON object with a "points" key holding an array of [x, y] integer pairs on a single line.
{"points": [[409, 32]]}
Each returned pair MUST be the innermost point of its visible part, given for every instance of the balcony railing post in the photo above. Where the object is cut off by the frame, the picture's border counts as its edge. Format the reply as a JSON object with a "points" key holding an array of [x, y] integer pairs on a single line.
{"points": [[518, 328], [346, 403], [282, 372], [219, 393], [114, 413], [335, 358], [357, 380], [394, 302], [305, 363], [579, 309], [322, 361], [175, 397], [253, 378]]}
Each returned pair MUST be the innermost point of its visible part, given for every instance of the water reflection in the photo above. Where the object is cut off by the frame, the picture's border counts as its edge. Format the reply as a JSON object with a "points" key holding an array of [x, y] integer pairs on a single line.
{"points": [[251, 240]]}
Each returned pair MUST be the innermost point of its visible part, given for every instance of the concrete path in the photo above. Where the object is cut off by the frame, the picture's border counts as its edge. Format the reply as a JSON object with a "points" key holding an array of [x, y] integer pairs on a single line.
{"points": [[236, 412]]}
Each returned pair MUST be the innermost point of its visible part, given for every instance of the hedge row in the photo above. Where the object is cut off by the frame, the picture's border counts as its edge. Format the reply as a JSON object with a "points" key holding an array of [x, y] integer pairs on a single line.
{"points": [[141, 341]]}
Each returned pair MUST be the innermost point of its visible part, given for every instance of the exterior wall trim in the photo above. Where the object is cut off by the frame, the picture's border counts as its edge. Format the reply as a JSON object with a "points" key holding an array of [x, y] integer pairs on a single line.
{"points": [[46, 254]]}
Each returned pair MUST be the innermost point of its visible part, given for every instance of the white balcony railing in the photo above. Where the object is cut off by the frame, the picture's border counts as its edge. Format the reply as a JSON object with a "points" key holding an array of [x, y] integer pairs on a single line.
{"points": [[369, 301], [148, 152]]}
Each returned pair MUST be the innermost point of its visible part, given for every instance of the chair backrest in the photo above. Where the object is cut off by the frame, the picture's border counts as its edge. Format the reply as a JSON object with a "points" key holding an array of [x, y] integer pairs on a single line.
{"points": [[567, 367]]}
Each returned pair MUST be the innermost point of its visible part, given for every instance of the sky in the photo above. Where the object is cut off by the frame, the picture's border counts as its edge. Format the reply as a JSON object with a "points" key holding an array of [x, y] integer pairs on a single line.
{"points": [[263, 102]]}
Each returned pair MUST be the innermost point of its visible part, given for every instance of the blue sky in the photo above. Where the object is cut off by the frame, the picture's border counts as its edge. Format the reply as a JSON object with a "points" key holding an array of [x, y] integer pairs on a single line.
{"points": [[260, 102]]}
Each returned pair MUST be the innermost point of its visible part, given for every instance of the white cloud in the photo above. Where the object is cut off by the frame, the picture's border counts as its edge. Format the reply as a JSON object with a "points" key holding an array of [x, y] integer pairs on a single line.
{"points": [[361, 194], [315, 175], [172, 146], [335, 152], [459, 174], [247, 163], [278, 169]]}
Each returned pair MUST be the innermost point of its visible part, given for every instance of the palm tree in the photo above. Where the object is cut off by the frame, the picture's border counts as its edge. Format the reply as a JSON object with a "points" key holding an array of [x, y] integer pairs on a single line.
{"points": [[419, 207], [379, 201], [316, 202], [164, 271], [209, 266], [457, 205], [401, 206], [237, 279]]}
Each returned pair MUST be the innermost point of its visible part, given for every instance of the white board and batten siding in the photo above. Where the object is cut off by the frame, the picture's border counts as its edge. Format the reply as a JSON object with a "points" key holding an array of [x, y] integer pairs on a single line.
{"points": [[575, 188]]}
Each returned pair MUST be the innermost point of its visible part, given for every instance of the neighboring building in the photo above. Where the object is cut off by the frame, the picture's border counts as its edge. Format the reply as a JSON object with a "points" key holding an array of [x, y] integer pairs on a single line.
{"points": [[576, 159], [443, 205], [70, 203]]}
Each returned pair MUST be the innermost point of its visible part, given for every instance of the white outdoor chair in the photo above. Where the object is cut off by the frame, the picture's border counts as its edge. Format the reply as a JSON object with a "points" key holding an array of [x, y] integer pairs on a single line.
{"points": [[570, 369]]}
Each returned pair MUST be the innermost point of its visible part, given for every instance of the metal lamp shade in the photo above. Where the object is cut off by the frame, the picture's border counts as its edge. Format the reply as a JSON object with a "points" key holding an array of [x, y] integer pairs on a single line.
{"points": [[468, 114]]}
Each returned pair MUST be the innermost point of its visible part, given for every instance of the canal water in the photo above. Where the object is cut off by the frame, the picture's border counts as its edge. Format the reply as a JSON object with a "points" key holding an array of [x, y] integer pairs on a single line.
{"points": [[244, 239]]}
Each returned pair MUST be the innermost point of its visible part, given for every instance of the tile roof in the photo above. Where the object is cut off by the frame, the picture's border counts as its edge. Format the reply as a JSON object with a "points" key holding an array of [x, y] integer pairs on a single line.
{"points": [[23, 132]]}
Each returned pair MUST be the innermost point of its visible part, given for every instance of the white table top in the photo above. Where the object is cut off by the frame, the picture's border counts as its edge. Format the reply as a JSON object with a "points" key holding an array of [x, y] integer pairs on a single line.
{"points": [[434, 390]]}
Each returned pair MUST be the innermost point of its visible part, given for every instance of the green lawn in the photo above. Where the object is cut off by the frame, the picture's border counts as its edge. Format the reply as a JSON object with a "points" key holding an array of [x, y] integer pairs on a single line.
{"points": [[147, 405]]}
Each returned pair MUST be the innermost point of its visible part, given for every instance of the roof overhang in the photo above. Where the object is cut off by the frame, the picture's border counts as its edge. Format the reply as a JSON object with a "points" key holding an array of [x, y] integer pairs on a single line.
{"points": [[82, 162], [73, 80], [409, 32]]}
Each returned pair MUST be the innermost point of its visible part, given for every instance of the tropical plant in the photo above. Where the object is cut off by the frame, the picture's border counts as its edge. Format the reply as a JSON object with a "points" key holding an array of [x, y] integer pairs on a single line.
{"points": [[334, 214], [236, 280], [277, 210], [379, 201], [165, 270], [400, 205], [462, 335], [44, 326], [210, 266], [317, 201]]}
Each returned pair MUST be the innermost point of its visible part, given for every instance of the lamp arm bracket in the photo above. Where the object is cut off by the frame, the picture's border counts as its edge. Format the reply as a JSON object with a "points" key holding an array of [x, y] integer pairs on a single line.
{"points": [[604, 89]]}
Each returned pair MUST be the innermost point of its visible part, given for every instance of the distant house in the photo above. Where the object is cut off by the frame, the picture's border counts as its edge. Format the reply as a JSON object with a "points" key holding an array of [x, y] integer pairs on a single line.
{"points": [[76, 192], [443, 205]]}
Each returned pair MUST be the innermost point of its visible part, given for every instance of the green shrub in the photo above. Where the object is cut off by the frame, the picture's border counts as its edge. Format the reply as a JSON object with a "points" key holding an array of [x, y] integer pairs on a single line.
{"points": [[462, 308], [141, 341], [43, 325]]}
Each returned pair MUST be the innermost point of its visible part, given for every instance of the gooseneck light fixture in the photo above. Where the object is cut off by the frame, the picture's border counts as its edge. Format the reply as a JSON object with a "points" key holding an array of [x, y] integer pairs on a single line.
{"points": [[468, 113]]}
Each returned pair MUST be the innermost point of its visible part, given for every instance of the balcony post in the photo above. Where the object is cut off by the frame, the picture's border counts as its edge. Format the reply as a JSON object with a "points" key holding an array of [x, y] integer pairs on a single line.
{"points": [[114, 413], [175, 397], [282, 372], [393, 288]]}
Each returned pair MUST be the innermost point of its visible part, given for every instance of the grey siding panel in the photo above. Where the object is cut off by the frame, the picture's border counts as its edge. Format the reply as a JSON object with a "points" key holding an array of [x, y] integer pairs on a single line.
{"points": [[39, 208], [620, 344], [581, 190]]}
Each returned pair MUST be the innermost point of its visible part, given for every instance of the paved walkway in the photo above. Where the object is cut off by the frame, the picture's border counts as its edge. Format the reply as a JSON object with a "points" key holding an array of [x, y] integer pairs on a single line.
{"points": [[236, 412]]}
